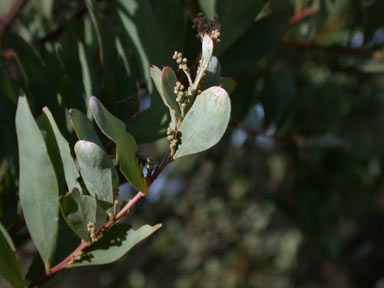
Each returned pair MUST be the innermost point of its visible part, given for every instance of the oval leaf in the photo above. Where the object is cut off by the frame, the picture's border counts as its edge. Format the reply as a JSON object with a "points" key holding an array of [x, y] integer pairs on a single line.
{"points": [[9, 266], [115, 244], [38, 186], [96, 172], [78, 210], [205, 123], [126, 146]]}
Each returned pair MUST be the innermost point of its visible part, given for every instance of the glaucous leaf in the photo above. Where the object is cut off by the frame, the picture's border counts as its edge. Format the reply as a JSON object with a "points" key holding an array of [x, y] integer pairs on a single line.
{"points": [[85, 130], [126, 146], [212, 74], [165, 81], [207, 50], [96, 172], [78, 210], [205, 123], [38, 188], [114, 244], [9, 266], [70, 171]]}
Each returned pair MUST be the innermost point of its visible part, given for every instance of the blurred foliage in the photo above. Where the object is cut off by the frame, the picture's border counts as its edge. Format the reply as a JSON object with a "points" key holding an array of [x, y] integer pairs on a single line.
{"points": [[293, 194]]}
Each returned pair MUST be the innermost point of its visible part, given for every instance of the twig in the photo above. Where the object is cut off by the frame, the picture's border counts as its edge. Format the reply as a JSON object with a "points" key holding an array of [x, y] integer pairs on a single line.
{"points": [[83, 245], [10, 17]]}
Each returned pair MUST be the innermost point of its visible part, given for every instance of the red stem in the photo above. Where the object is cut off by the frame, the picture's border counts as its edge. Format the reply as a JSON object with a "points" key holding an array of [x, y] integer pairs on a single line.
{"points": [[84, 245]]}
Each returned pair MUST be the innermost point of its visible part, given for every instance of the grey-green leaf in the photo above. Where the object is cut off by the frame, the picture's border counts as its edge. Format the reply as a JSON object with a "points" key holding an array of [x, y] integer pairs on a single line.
{"points": [[86, 131], [126, 146], [79, 210], [96, 172], [163, 82], [114, 244], [9, 266], [168, 83], [205, 123], [83, 127], [38, 188], [212, 74], [207, 48], [70, 171]]}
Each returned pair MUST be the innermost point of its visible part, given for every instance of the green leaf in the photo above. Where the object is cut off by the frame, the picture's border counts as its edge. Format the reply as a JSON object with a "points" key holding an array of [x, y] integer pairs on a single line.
{"points": [[83, 127], [150, 125], [114, 244], [96, 172], [256, 42], [90, 81], [70, 171], [163, 82], [212, 74], [168, 83], [85, 131], [126, 146], [207, 50], [9, 266], [236, 19], [78, 210], [205, 123], [38, 188], [208, 7]]}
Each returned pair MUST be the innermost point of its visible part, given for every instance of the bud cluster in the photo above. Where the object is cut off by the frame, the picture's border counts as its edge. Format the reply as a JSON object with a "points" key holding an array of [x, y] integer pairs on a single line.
{"points": [[150, 165], [204, 26], [178, 56], [181, 95], [172, 137], [92, 231]]}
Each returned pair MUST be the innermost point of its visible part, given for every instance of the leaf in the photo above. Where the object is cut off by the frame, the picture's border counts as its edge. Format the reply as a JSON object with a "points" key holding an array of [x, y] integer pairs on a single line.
{"points": [[207, 50], [165, 81], [78, 210], [256, 42], [83, 127], [96, 172], [9, 266], [235, 19], [126, 146], [212, 74], [70, 171], [85, 131], [205, 123], [168, 83], [38, 188], [150, 125], [90, 81], [114, 244], [208, 7]]}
